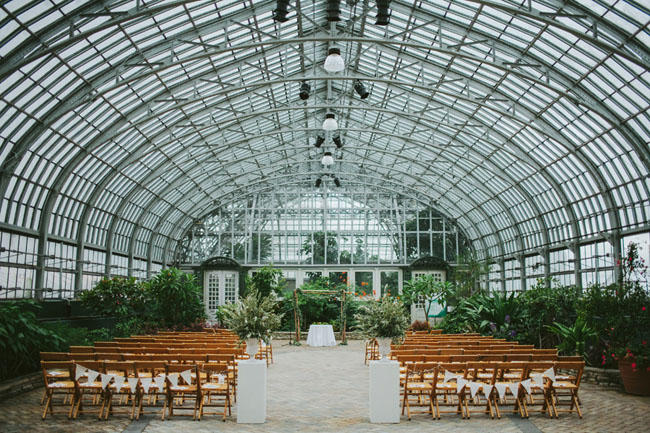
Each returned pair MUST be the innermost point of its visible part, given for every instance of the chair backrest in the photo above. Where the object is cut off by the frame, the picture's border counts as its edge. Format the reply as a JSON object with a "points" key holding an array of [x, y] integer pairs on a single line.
{"points": [[81, 349], [577, 367], [149, 367], [474, 369], [63, 366], [55, 356], [221, 357], [179, 368], [126, 368]]}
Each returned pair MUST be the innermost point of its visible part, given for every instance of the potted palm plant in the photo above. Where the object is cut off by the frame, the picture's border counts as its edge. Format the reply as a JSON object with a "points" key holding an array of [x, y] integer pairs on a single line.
{"points": [[252, 319], [385, 320]]}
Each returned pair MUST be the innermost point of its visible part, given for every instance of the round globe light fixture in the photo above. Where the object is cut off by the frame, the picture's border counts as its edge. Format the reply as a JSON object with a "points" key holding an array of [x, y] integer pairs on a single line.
{"points": [[327, 159], [334, 62], [330, 124]]}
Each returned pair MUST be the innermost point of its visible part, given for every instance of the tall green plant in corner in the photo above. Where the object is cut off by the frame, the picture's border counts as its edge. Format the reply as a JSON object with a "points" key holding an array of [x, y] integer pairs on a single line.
{"points": [[174, 298], [266, 280]]}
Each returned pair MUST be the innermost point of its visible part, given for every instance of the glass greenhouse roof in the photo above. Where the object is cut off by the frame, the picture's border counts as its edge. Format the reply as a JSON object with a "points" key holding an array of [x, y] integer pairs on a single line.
{"points": [[123, 122]]}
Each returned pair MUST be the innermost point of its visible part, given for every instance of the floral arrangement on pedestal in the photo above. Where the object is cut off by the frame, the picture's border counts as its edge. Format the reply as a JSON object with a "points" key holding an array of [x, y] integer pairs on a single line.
{"points": [[253, 318], [385, 320]]}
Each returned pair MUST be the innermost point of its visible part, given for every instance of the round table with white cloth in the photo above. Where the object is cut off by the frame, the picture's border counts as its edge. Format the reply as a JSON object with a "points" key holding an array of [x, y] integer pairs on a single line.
{"points": [[321, 335]]}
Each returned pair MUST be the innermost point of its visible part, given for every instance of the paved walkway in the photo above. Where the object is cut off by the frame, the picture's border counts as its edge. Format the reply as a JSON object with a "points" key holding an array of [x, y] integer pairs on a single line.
{"points": [[326, 390]]}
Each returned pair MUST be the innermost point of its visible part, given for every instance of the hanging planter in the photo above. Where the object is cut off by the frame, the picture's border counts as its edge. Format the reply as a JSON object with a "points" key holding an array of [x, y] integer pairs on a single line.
{"points": [[636, 381]]}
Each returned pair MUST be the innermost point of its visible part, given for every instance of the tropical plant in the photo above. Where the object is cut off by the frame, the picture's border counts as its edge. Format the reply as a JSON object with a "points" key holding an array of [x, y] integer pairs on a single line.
{"points": [[385, 318], [174, 298], [119, 297], [267, 280], [253, 316], [22, 337], [573, 339], [427, 289]]}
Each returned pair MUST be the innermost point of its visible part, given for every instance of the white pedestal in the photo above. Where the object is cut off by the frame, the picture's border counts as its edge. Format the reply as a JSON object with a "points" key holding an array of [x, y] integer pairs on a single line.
{"points": [[384, 392], [251, 392]]}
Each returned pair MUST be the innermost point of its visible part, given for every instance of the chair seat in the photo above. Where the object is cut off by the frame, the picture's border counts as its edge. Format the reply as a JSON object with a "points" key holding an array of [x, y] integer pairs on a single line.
{"points": [[124, 385], [418, 385], [448, 385], [564, 385], [183, 388], [90, 385], [484, 376], [564, 377], [58, 373], [217, 386], [61, 384]]}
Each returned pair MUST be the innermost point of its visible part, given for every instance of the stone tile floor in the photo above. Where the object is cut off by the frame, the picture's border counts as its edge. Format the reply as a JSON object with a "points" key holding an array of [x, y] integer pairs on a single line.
{"points": [[326, 390]]}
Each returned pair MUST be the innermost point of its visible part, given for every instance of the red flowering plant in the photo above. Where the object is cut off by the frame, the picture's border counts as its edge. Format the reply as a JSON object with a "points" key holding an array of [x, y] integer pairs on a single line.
{"points": [[620, 313]]}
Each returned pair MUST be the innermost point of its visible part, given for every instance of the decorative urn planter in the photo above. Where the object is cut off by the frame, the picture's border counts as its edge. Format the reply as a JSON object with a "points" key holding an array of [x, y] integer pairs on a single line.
{"points": [[635, 381], [384, 347], [252, 346]]}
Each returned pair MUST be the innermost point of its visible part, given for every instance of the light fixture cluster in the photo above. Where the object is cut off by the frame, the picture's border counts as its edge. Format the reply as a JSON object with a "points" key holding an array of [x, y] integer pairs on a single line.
{"points": [[334, 11], [319, 181]]}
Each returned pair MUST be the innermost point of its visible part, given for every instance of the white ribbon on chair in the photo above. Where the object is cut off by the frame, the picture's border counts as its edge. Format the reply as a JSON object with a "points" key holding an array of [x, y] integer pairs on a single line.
{"points": [[146, 384], [473, 388], [159, 381], [538, 378], [501, 389], [106, 378], [187, 376], [514, 388], [460, 384], [133, 383], [80, 371], [92, 375], [118, 381], [487, 389], [550, 373], [449, 376], [173, 379], [526, 385]]}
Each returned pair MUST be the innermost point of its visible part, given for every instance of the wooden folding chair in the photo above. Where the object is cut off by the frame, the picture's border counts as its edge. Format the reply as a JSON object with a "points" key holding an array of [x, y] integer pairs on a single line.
{"points": [[372, 351], [57, 374], [447, 391], [484, 374], [149, 394], [215, 389], [564, 390], [510, 373], [180, 389], [418, 385], [539, 398], [89, 391], [58, 378], [119, 394]]}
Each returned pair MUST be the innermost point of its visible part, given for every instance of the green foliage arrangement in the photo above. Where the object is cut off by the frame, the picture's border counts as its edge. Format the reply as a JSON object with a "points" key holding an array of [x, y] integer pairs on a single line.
{"points": [[22, 337], [426, 288], [574, 339], [174, 298], [386, 318], [267, 280], [253, 316], [119, 297]]}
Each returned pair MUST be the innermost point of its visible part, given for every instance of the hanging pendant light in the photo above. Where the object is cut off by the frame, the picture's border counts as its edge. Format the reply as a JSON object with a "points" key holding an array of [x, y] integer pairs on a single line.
{"points": [[330, 124], [327, 159], [334, 62]]}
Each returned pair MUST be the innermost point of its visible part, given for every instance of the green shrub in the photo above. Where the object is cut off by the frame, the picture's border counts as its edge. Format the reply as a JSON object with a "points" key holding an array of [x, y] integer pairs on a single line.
{"points": [[174, 298], [119, 297], [22, 337]]}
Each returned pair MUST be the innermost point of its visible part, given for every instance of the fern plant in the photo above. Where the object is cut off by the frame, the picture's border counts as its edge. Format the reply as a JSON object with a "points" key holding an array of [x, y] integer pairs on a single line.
{"points": [[252, 317]]}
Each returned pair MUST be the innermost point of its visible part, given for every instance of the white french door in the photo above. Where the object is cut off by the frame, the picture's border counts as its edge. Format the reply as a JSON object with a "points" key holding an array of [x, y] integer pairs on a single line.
{"points": [[219, 288]]}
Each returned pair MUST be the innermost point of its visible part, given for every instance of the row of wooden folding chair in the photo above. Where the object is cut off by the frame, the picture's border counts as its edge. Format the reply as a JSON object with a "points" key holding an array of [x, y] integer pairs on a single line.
{"points": [[86, 394], [427, 382], [372, 350]]}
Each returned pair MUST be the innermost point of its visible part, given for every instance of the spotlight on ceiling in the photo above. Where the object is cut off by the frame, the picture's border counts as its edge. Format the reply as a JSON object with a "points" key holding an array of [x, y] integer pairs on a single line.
{"points": [[337, 141], [330, 124], [383, 13], [319, 141], [360, 89], [305, 88], [319, 181], [280, 12], [334, 62], [337, 182], [327, 159], [333, 10]]}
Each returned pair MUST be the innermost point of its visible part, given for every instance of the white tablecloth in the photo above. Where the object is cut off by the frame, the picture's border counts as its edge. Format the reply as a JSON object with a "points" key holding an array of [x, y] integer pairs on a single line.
{"points": [[321, 335]]}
